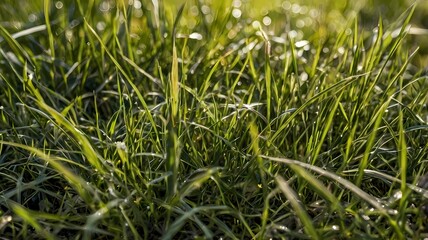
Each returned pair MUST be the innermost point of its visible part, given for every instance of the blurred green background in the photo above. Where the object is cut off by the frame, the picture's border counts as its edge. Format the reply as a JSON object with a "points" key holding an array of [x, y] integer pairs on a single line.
{"points": [[309, 19]]}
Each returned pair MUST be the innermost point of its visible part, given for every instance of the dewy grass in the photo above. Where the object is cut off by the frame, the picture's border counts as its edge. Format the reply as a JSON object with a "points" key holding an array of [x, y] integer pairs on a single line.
{"points": [[150, 120]]}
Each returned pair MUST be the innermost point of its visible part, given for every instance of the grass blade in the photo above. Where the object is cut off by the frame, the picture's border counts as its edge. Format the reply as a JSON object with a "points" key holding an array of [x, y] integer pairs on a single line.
{"points": [[297, 206]]}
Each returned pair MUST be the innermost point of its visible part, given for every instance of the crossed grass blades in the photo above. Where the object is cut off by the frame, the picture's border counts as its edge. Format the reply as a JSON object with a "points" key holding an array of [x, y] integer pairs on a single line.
{"points": [[144, 120]]}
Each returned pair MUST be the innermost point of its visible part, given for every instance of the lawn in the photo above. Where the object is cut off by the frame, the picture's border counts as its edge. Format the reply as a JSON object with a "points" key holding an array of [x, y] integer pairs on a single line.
{"points": [[212, 119]]}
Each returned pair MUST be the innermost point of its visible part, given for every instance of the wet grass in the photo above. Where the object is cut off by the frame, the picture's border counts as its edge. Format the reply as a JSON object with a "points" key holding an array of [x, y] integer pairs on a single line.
{"points": [[212, 120]]}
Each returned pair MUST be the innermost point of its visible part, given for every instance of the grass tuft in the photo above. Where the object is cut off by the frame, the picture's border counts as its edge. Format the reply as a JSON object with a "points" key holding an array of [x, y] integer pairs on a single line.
{"points": [[213, 119]]}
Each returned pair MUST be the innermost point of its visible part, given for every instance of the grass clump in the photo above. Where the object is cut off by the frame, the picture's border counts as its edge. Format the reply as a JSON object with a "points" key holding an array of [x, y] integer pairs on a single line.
{"points": [[144, 119]]}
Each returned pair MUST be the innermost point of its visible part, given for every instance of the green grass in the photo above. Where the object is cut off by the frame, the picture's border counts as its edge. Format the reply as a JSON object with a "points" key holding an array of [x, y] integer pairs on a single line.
{"points": [[230, 119]]}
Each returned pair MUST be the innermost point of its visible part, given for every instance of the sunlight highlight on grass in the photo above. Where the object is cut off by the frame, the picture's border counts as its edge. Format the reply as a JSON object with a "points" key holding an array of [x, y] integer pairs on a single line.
{"points": [[213, 120]]}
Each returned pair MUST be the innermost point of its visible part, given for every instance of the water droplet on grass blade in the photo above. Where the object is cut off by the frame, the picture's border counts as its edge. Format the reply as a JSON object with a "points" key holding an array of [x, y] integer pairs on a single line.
{"points": [[256, 24], [392, 212], [137, 4], [267, 20], [59, 5], [295, 8], [32, 17], [104, 6], [196, 36], [398, 195], [236, 13], [101, 26]]}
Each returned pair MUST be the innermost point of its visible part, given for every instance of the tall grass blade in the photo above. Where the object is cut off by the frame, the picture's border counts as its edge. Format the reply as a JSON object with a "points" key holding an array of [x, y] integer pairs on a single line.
{"points": [[268, 74], [370, 141], [172, 144], [128, 79]]}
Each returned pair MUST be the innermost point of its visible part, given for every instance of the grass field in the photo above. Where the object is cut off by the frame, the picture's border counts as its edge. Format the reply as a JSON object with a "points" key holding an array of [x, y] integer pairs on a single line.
{"points": [[207, 119]]}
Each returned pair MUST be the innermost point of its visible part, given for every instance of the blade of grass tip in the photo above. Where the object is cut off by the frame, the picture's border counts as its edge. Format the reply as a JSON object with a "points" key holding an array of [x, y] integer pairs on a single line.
{"points": [[326, 128], [251, 65], [128, 26], [400, 73], [28, 217], [334, 88], [46, 6], [28, 81], [374, 52], [297, 206], [174, 87], [357, 50], [370, 142], [207, 81], [175, 79], [128, 79], [268, 75], [156, 16], [293, 56], [395, 46], [231, 91], [117, 34], [316, 60], [172, 145]]}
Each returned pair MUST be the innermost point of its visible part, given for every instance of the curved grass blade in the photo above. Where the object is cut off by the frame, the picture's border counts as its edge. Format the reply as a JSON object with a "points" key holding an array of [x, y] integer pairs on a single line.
{"points": [[352, 187], [29, 218], [84, 190]]}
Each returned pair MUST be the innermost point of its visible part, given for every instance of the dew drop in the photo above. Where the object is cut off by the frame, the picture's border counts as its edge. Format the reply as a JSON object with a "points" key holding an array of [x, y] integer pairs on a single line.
{"points": [[267, 20], [398, 195], [59, 5], [236, 13]]}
